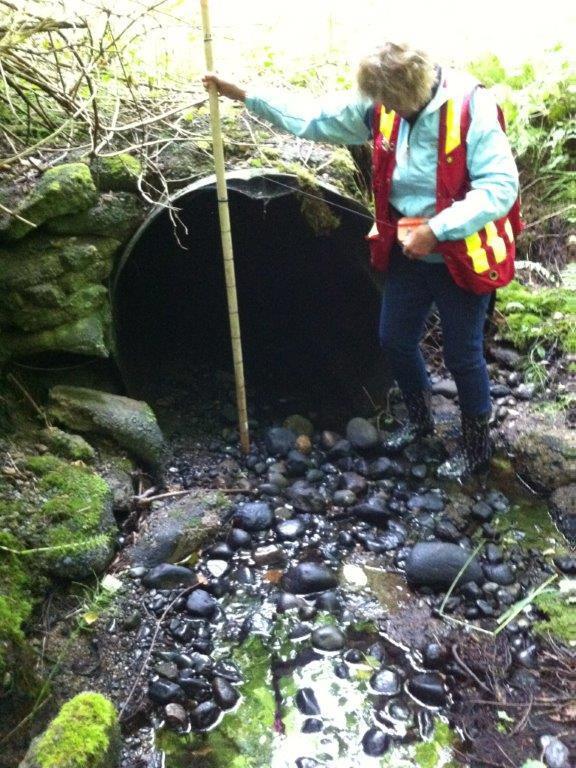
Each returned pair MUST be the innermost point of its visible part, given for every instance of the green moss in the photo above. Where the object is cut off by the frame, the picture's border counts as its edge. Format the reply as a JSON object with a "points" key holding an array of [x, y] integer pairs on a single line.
{"points": [[537, 315], [68, 446], [61, 190], [15, 601], [86, 336], [436, 752], [118, 213], [84, 734], [71, 532], [560, 615], [116, 174]]}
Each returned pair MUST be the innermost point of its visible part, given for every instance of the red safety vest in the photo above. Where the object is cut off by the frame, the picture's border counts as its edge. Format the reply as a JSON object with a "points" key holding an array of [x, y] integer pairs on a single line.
{"points": [[484, 260]]}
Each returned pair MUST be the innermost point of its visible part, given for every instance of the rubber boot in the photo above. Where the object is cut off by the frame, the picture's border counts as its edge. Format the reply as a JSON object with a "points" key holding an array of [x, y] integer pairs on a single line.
{"points": [[419, 424], [474, 456]]}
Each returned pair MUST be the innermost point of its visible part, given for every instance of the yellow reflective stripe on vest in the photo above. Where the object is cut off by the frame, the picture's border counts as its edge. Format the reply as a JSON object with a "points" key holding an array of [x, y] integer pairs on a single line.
{"points": [[495, 242], [477, 253], [386, 123], [509, 231], [453, 139]]}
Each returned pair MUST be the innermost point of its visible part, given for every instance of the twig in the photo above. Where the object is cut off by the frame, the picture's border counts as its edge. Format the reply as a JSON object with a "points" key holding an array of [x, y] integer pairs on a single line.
{"points": [[13, 380], [17, 216]]}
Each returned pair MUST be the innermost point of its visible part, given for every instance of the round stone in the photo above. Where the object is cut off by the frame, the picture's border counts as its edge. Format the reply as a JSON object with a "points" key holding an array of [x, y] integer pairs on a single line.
{"points": [[204, 715], [306, 578], [375, 742], [385, 682], [253, 516], [168, 576], [428, 688], [306, 702], [437, 565], [328, 638], [225, 694], [202, 605]]}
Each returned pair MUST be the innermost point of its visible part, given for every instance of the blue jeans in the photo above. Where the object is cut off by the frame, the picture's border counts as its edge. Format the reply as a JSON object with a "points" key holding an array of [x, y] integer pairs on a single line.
{"points": [[411, 289]]}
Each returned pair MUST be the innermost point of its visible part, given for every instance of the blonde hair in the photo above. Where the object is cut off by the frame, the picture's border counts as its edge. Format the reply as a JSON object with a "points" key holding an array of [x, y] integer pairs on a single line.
{"points": [[397, 76]]}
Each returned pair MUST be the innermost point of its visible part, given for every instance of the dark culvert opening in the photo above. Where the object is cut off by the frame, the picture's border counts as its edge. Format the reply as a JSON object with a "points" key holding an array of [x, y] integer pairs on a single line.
{"points": [[308, 302]]}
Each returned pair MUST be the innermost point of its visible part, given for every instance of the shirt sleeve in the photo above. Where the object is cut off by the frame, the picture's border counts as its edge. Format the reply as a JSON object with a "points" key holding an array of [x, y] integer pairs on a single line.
{"points": [[493, 175], [339, 121]]}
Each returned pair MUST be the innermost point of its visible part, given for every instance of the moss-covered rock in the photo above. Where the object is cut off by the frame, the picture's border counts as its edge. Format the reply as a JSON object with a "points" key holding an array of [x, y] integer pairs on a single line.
{"points": [[131, 423], [66, 445], [84, 734], [116, 174], [87, 336], [62, 190], [73, 530], [115, 214], [41, 259], [83, 303]]}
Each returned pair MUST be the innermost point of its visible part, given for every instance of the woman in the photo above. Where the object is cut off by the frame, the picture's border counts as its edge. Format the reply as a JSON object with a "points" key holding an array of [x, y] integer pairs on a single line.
{"points": [[440, 156]]}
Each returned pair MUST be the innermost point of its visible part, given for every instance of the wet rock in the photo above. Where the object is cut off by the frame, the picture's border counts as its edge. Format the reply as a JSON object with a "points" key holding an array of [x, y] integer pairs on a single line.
{"points": [[525, 391], [202, 604], [306, 702], [289, 530], [168, 576], [340, 450], [344, 498], [499, 390], [279, 441], [305, 498], [131, 423], [354, 482], [445, 529], [382, 468], [362, 435], [434, 655], [297, 464], [482, 512], [385, 682], [176, 716], [493, 554], [373, 512], [220, 551], [239, 539], [566, 564], [446, 388], [225, 694], [528, 657], [306, 578], [328, 638], [499, 573], [253, 516], [497, 501], [204, 715], [328, 601], [167, 669], [428, 688], [556, 753], [375, 742], [166, 692], [269, 555], [437, 564], [510, 358], [431, 502], [312, 725]]}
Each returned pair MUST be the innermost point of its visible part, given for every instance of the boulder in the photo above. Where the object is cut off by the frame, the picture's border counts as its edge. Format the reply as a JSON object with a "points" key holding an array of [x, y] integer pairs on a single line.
{"points": [[62, 190], [66, 445], [131, 423], [543, 450], [84, 733]]}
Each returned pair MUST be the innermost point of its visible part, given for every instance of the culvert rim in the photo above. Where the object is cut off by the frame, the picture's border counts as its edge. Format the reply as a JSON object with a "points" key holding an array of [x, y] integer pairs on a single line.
{"points": [[238, 181]]}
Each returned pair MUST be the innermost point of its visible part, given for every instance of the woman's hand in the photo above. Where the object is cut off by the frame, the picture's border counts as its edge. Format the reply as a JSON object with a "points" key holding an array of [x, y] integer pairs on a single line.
{"points": [[420, 242], [224, 88]]}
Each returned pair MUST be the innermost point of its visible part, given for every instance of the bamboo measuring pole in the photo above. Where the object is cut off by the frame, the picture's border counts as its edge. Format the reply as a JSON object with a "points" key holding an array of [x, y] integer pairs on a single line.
{"points": [[226, 237]]}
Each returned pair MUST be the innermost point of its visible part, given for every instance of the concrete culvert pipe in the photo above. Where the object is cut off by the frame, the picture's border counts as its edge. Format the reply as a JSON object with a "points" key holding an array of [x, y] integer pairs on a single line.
{"points": [[308, 300]]}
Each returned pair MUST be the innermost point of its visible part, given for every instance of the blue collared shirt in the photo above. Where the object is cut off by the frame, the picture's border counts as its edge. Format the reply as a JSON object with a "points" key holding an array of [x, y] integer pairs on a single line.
{"points": [[345, 120]]}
